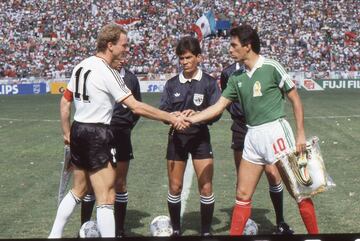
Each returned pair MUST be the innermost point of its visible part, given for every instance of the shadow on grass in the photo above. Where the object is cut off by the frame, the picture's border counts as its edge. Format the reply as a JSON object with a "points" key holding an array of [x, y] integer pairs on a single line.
{"points": [[191, 221], [133, 220]]}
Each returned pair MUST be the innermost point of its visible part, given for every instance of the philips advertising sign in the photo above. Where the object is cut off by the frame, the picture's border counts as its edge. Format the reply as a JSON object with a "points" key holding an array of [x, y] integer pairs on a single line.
{"points": [[23, 89]]}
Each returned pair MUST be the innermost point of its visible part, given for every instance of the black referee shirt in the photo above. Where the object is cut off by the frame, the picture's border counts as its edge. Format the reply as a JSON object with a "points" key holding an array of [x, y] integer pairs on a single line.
{"points": [[196, 94], [235, 109], [123, 116]]}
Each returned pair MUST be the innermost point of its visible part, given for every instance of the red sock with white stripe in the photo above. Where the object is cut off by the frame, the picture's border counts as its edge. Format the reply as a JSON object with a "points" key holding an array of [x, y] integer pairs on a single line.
{"points": [[307, 212], [240, 215]]}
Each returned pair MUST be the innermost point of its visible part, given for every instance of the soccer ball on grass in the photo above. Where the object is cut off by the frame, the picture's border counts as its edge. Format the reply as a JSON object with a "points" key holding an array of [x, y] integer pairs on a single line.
{"points": [[89, 230], [160, 226], [251, 228]]}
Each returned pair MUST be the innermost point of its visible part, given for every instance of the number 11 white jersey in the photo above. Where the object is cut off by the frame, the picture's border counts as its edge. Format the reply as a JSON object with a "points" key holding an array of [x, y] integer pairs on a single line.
{"points": [[95, 87]]}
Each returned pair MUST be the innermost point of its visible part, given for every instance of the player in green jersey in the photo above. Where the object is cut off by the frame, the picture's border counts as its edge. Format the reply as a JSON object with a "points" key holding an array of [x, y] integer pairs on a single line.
{"points": [[261, 90]]}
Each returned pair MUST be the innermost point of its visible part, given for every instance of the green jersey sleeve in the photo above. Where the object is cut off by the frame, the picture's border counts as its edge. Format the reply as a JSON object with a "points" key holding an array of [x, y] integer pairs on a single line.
{"points": [[282, 78]]}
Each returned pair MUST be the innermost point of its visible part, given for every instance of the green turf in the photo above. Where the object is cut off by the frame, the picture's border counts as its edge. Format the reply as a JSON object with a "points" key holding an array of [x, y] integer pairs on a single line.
{"points": [[31, 151]]}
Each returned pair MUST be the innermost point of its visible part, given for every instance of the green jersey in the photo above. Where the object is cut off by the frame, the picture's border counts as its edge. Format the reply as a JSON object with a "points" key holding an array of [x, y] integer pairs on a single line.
{"points": [[260, 91]]}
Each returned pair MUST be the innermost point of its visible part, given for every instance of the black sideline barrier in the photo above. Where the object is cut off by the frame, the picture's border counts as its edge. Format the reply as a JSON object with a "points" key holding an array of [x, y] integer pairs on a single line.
{"points": [[322, 237]]}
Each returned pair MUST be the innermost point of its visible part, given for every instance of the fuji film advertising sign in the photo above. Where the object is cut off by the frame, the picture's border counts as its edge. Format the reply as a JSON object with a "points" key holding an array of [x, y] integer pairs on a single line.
{"points": [[340, 83], [322, 84]]}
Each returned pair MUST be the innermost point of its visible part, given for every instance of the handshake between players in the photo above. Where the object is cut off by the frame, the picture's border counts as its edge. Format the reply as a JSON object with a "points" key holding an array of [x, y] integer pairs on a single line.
{"points": [[183, 119]]}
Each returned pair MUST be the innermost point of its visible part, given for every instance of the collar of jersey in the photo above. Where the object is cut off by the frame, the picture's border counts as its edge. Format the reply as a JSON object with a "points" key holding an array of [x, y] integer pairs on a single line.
{"points": [[257, 65], [122, 72], [197, 77]]}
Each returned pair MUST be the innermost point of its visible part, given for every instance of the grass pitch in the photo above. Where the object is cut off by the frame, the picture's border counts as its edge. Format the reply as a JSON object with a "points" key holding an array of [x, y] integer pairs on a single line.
{"points": [[31, 150]]}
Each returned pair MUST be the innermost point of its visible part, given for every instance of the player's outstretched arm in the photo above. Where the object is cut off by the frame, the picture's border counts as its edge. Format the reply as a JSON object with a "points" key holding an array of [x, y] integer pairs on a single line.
{"points": [[298, 110], [65, 112], [148, 111], [210, 112]]}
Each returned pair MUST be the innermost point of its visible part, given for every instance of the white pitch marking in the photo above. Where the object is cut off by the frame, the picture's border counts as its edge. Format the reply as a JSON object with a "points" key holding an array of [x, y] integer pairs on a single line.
{"points": [[28, 120], [188, 176]]}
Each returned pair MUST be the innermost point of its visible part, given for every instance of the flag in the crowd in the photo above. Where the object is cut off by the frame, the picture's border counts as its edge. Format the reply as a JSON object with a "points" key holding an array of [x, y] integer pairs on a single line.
{"points": [[128, 21], [205, 25], [223, 24]]}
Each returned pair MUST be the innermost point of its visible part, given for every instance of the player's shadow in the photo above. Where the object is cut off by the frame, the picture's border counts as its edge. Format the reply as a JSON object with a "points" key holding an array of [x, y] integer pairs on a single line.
{"points": [[191, 221], [133, 220]]}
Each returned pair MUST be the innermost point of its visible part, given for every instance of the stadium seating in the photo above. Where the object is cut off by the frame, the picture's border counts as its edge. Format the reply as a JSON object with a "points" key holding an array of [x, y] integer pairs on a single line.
{"points": [[47, 38]]}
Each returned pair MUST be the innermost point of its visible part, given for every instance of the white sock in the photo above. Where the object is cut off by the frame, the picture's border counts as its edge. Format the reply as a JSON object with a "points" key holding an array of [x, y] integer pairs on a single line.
{"points": [[106, 220], [65, 209]]}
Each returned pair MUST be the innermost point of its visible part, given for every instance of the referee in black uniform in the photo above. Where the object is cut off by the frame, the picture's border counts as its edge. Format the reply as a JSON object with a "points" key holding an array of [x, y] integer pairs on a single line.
{"points": [[239, 130], [122, 122], [190, 91]]}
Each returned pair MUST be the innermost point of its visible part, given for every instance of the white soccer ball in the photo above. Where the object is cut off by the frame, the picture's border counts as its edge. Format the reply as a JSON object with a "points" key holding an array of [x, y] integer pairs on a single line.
{"points": [[251, 227], [161, 226], [89, 230]]}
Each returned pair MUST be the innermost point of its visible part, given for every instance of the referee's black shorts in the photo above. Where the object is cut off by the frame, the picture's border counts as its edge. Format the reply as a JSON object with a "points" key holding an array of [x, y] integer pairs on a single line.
{"points": [[180, 145], [238, 136], [90, 145], [122, 143]]}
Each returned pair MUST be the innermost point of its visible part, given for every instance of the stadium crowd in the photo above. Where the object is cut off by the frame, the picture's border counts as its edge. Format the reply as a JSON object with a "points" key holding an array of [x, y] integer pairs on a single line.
{"points": [[48, 38]]}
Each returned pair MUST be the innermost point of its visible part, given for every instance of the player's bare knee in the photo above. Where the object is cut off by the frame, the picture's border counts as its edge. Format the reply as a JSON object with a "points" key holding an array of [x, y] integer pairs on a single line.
{"points": [[77, 197], [272, 174], [206, 189], [79, 192], [273, 177], [175, 189], [242, 194], [105, 199], [120, 186]]}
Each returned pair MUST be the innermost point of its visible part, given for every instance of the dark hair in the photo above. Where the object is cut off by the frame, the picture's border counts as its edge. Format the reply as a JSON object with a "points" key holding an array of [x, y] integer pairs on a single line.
{"points": [[247, 35], [190, 44], [109, 33]]}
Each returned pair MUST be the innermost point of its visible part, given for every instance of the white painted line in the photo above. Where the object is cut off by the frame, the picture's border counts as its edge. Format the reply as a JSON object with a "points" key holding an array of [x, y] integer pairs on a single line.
{"points": [[28, 120], [188, 176], [331, 117]]}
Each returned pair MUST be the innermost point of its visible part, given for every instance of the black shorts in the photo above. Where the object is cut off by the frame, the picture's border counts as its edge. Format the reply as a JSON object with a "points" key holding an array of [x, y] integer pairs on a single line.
{"points": [[122, 143], [198, 145], [90, 145], [238, 138]]}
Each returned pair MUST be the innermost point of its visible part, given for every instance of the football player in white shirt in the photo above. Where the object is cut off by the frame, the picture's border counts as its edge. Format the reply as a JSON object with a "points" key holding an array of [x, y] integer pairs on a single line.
{"points": [[94, 87]]}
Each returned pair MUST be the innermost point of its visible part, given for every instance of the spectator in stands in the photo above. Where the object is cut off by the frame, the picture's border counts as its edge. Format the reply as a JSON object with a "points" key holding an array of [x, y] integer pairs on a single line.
{"points": [[42, 34]]}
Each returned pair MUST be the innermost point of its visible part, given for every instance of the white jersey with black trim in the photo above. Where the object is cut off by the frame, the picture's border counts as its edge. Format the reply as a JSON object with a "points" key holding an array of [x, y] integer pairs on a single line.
{"points": [[95, 87]]}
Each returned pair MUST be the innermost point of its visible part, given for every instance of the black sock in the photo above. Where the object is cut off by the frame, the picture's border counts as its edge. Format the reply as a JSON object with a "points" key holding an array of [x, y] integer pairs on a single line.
{"points": [[174, 206], [87, 206], [120, 212], [207, 210], [276, 195]]}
